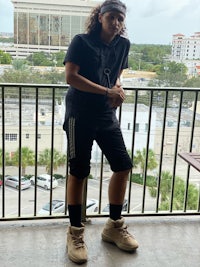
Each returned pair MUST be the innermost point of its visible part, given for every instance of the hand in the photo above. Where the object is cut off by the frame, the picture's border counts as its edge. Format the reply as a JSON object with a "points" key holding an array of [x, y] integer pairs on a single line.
{"points": [[116, 95]]}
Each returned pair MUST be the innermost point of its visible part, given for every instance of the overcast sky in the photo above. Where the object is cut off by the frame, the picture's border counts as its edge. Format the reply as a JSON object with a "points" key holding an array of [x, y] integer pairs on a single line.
{"points": [[148, 21]]}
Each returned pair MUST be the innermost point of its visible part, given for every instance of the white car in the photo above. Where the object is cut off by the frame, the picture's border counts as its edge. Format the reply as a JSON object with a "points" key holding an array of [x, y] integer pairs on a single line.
{"points": [[58, 206], [13, 181], [44, 180]]}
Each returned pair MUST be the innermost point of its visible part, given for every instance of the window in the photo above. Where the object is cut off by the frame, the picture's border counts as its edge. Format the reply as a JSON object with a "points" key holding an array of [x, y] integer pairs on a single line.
{"points": [[11, 137], [146, 127], [27, 136], [39, 136], [137, 127]]}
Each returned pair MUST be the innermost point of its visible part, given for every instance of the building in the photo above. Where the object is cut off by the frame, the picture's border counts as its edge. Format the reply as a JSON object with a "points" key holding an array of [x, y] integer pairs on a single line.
{"points": [[187, 50], [47, 25]]}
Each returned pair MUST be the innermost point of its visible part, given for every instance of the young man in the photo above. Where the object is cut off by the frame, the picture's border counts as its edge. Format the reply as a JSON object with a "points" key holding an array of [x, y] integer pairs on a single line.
{"points": [[94, 62]]}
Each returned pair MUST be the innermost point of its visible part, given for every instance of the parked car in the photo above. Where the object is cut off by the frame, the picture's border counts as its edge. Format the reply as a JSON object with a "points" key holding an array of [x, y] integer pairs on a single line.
{"points": [[13, 181], [44, 180], [58, 206], [124, 207]]}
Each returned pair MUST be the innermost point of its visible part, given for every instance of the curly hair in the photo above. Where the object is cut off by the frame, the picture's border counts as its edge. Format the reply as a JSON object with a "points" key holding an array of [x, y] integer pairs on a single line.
{"points": [[93, 25]]}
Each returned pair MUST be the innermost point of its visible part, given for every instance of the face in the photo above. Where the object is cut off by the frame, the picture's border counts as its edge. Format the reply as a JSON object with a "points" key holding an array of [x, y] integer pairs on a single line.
{"points": [[112, 22]]}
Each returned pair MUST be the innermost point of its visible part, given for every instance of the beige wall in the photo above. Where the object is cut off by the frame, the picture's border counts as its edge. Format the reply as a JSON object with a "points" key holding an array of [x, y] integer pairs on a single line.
{"points": [[28, 138]]}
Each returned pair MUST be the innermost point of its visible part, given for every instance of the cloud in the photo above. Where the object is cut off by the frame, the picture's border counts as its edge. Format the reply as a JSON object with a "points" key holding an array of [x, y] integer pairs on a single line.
{"points": [[152, 8], [155, 21], [165, 7]]}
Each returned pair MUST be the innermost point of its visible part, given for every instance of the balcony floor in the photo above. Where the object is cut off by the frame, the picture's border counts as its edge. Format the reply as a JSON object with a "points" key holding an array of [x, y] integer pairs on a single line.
{"points": [[164, 241]]}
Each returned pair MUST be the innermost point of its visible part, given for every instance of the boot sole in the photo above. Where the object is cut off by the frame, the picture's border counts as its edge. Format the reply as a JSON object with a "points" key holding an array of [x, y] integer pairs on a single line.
{"points": [[75, 260], [122, 247]]}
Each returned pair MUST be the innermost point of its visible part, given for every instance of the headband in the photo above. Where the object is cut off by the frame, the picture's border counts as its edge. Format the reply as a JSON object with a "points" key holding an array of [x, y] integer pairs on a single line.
{"points": [[113, 7]]}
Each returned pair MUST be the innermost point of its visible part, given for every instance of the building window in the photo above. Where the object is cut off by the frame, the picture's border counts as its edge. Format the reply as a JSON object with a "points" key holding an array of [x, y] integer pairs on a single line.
{"points": [[137, 127], [39, 136], [10, 137], [27, 136], [146, 127]]}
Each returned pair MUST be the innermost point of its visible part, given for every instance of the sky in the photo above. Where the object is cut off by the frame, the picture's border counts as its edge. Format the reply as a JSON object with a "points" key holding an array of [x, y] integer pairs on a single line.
{"points": [[147, 21]]}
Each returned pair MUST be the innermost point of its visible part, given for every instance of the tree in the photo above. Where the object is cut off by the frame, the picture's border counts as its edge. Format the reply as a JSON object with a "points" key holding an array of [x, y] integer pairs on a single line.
{"points": [[20, 64], [27, 158], [192, 82], [140, 159], [7, 158], [45, 159], [40, 59], [55, 77], [22, 76], [148, 56], [179, 193], [170, 74], [5, 58], [58, 58], [165, 185]]}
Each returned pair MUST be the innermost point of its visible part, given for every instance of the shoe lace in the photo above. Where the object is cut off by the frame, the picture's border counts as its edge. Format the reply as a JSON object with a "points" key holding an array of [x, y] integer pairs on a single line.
{"points": [[78, 241], [123, 230]]}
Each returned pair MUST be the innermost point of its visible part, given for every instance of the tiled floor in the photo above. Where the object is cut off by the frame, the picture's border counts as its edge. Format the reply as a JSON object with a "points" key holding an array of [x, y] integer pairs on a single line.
{"points": [[164, 241]]}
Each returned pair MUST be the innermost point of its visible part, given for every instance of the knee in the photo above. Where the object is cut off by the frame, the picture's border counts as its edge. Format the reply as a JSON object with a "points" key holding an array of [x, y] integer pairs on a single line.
{"points": [[79, 170], [122, 174], [126, 172]]}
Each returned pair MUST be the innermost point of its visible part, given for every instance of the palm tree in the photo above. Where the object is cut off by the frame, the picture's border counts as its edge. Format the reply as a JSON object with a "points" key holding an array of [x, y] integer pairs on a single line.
{"points": [[27, 158], [7, 158], [165, 185], [140, 159], [179, 193], [45, 159]]}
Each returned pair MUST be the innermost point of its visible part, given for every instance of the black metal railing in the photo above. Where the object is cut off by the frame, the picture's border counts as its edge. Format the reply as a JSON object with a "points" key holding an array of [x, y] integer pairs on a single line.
{"points": [[157, 124]]}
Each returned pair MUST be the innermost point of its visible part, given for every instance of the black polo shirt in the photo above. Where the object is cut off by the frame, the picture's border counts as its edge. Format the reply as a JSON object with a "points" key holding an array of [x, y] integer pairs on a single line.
{"points": [[93, 57]]}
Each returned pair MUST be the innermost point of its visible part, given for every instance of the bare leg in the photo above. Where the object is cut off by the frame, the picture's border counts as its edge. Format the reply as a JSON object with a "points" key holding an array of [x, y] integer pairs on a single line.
{"points": [[117, 187], [75, 188]]}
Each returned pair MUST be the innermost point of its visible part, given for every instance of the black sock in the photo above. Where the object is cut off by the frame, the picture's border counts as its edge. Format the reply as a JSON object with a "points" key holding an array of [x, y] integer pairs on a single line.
{"points": [[115, 211], [75, 215]]}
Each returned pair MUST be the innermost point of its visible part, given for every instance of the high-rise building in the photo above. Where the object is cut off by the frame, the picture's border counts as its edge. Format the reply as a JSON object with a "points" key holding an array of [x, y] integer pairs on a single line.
{"points": [[187, 50], [48, 25]]}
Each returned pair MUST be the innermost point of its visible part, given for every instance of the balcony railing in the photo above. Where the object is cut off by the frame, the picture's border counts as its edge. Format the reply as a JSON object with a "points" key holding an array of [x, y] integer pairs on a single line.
{"points": [[157, 122]]}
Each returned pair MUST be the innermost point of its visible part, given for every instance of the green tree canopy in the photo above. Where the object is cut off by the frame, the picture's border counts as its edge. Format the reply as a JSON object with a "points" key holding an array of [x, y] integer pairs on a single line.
{"points": [[192, 82], [148, 56], [40, 59], [7, 158], [45, 159], [140, 159], [179, 193], [27, 158], [20, 64], [170, 74], [5, 58]]}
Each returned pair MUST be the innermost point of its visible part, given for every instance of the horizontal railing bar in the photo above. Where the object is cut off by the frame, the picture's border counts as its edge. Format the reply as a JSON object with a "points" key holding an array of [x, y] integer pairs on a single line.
{"points": [[50, 217], [131, 88]]}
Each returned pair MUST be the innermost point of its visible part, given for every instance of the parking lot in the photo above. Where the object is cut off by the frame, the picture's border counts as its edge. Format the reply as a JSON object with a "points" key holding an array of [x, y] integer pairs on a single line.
{"points": [[43, 197]]}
